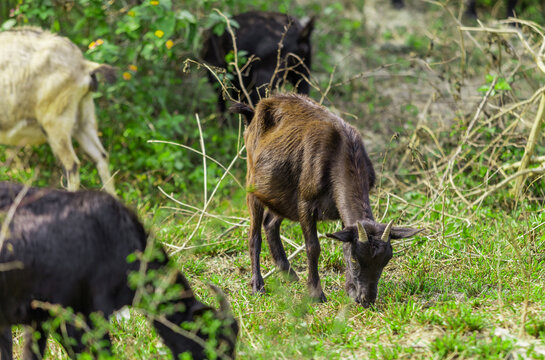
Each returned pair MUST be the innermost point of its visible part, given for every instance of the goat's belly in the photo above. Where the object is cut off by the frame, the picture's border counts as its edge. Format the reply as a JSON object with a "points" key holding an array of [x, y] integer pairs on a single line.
{"points": [[289, 213], [24, 132], [283, 204], [326, 209], [327, 214]]}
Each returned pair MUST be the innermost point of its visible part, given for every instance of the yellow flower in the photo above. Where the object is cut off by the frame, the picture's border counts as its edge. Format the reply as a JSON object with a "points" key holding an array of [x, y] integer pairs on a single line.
{"points": [[127, 75], [154, 2], [131, 13], [159, 33], [133, 68], [96, 43], [169, 44]]}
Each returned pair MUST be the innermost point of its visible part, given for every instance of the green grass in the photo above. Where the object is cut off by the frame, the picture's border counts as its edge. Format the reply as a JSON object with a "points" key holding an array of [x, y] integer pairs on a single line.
{"points": [[469, 287]]}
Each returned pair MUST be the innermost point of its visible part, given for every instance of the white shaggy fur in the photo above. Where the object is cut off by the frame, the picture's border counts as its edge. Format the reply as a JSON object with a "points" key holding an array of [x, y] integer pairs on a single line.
{"points": [[46, 96]]}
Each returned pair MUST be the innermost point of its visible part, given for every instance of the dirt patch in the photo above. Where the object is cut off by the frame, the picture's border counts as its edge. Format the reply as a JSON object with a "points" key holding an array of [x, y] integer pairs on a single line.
{"points": [[417, 87]]}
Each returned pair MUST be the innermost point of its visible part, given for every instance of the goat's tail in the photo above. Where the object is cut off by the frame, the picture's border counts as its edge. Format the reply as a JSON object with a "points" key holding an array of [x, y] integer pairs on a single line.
{"points": [[246, 110], [93, 68]]}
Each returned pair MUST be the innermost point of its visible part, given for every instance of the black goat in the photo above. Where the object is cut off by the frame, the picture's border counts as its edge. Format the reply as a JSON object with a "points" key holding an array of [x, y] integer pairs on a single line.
{"points": [[70, 249], [262, 34], [307, 164]]}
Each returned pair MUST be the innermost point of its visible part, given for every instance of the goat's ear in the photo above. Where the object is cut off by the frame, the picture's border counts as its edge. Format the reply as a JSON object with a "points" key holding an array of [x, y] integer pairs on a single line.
{"points": [[402, 233], [304, 36], [348, 234]]}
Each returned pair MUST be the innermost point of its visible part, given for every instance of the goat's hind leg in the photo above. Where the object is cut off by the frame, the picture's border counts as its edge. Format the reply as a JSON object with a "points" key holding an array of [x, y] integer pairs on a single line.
{"points": [[91, 145], [272, 223], [6, 344], [256, 219], [87, 136]]}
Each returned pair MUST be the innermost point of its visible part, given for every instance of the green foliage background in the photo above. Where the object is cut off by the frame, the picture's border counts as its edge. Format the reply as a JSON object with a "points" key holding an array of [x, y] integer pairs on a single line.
{"points": [[157, 95], [476, 269]]}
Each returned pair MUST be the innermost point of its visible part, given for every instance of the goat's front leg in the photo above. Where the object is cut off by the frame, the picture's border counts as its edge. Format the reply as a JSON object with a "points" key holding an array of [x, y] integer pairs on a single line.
{"points": [[349, 286], [272, 230], [58, 130], [34, 350], [256, 219], [6, 345], [308, 225]]}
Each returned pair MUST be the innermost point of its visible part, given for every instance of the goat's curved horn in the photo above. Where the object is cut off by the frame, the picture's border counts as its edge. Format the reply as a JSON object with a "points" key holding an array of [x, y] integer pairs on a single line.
{"points": [[225, 307], [386, 233], [362, 234]]}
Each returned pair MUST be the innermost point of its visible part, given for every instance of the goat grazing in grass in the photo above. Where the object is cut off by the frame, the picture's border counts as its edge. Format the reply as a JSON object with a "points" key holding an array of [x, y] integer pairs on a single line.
{"points": [[71, 249], [46, 95], [307, 164]]}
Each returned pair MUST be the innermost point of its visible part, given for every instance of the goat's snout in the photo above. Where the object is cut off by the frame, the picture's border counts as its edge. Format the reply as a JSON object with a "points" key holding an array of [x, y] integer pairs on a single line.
{"points": [[365, 302], [366, 295]]}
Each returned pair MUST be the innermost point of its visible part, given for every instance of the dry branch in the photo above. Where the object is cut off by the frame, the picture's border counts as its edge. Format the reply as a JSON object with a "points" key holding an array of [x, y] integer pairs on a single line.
{"points": [[235, 60], [530, 146], [498, 186], [4, 230]]}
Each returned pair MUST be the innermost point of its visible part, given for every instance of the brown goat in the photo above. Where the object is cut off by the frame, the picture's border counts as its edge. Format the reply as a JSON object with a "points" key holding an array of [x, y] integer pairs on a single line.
{"points": [[46, 95], [307, 164]]}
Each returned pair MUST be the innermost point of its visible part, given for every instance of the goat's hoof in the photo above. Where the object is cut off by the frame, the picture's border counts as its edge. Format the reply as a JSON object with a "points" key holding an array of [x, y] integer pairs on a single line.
{"points": [[291, 275], [258, 287], [319, 298], [258, 291]]}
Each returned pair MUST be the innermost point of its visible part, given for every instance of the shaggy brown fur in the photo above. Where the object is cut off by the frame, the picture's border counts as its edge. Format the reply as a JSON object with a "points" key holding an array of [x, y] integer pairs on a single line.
{"points": [[307, 164]]}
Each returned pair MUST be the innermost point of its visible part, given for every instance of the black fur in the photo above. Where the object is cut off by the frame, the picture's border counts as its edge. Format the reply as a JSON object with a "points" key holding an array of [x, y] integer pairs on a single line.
{"points": [[259, 33], [71, 248]]}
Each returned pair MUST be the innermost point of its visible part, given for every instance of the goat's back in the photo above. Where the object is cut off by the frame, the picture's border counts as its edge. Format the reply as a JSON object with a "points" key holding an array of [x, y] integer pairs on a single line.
{"points": [[258, 33], [40, 73], [29, 56], [68, 248], [291, 120], [300, 151]]}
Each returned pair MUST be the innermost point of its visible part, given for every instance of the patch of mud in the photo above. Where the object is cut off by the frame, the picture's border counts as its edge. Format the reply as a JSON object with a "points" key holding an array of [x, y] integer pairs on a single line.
{"points": [[381, 17], [524, 349], [422, 93]]}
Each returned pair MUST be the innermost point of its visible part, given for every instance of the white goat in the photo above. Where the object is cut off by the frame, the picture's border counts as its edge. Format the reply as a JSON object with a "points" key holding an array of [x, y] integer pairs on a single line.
{"points": [[46, 95]]}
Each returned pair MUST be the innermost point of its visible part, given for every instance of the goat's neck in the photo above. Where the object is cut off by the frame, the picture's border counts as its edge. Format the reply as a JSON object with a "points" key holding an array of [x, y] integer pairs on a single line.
{"points": [[353, 203]]}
